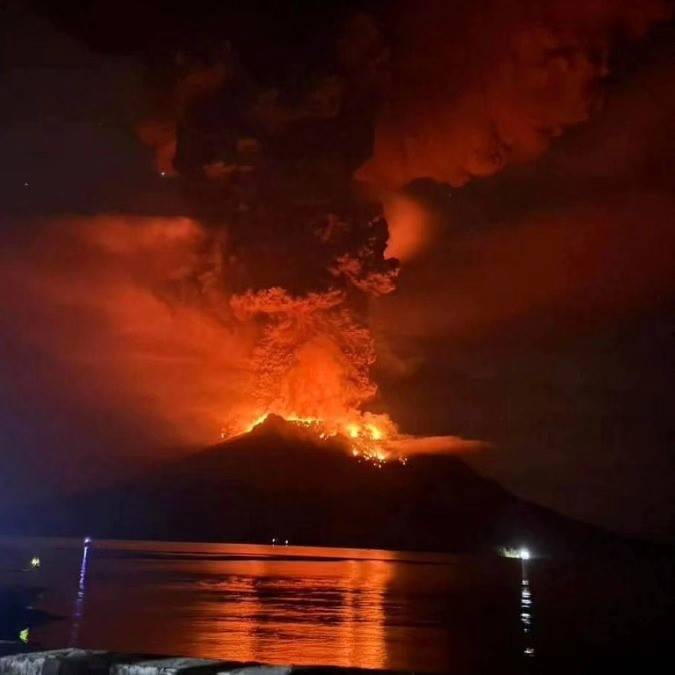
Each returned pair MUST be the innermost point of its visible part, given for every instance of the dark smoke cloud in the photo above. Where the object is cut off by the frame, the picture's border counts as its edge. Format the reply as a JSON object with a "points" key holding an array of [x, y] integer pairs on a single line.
{"points": [[478, 86], [212, 117], [565, 231], [125, 304], [539, 315], [588, 264]]}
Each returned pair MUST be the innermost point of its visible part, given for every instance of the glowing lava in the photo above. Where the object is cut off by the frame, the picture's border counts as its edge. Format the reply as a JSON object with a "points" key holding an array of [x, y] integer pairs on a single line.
{"points": [[311, 365], [366, 435]]}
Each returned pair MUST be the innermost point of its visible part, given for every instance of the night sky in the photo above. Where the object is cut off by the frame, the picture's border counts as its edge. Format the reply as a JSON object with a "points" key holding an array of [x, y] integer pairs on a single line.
{"points": [[536, 313]]}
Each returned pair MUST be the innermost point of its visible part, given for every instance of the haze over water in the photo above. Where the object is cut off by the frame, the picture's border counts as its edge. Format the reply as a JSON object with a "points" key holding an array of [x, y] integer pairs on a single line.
{"points": [[305, 605]]}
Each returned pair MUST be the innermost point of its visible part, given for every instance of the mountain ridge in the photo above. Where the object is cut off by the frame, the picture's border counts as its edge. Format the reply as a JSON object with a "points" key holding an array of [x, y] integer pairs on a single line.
{"points": [[282, 482]]}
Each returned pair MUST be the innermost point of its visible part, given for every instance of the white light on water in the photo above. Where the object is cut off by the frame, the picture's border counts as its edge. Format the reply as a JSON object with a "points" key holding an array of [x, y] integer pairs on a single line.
{"points": [[524, 554], [78, 610]]}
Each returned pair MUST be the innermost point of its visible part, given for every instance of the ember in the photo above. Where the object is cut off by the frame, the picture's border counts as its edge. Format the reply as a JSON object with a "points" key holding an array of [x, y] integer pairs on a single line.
{"points": [[366, 438]]}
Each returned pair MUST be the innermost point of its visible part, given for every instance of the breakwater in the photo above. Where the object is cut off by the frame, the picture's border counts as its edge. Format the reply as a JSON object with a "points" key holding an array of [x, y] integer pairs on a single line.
{"points": [[93, 662]]}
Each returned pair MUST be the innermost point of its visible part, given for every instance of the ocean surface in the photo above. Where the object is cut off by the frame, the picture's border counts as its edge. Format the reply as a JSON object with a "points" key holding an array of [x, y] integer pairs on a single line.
{"points": [[347, 607]]}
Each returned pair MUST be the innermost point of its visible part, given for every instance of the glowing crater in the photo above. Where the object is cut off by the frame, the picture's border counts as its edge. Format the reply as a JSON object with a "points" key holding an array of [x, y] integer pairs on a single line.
{"points": [[366, 437]]}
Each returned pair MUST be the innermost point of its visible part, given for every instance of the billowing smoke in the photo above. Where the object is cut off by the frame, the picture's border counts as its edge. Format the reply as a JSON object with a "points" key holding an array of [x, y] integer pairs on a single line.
{"points": [[261, 303], [191, 82], [478, 86], [314, 351], [313, 359], [128, 307], [211, 118], [144, 312], [583, 264]]}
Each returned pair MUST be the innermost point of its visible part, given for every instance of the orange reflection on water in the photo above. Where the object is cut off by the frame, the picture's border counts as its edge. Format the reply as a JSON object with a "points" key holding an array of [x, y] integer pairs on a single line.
{"points": [[263, 609], [286, 604]]}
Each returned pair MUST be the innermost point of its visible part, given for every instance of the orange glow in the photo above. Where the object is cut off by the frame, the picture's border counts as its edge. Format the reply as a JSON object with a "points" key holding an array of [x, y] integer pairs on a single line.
{"points": [[410, 225], [311, 366], [525, 77], [134, 309], [149, 318], [366, 437], [338, 638]]}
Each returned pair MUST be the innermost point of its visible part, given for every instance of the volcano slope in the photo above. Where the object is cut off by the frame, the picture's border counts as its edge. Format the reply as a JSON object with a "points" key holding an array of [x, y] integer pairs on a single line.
{"points": [[282, 482]]}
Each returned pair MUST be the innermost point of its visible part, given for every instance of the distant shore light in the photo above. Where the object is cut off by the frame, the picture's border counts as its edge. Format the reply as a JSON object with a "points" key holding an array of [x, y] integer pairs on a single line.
{"points": [[522, 553]]}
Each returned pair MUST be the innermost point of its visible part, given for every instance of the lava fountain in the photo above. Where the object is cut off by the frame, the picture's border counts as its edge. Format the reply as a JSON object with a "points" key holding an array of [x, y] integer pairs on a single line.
{"points": [[313, 352], [311, 366]]}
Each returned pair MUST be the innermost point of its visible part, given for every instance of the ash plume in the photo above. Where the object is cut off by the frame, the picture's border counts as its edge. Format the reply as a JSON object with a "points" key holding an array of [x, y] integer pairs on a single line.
{"points": [[124, 305], [478, 86], [146, 312], [282, 288], [314, 351], [212, 118]]}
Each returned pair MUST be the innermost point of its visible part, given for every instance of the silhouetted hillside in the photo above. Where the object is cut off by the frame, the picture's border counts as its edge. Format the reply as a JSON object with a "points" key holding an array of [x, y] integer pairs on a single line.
{"points": [[281, 482]]}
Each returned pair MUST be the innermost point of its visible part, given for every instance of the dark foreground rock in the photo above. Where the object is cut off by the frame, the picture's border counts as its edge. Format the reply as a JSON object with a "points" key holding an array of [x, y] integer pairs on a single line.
{"points": [[92, 662]]}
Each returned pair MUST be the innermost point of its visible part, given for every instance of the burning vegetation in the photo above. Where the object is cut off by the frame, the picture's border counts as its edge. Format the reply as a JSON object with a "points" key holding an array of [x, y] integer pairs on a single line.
{"points": [[366, 435]]}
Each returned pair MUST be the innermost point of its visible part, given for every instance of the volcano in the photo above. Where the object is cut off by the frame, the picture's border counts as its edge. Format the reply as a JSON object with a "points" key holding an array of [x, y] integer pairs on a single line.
{"points": [[280, 482]]}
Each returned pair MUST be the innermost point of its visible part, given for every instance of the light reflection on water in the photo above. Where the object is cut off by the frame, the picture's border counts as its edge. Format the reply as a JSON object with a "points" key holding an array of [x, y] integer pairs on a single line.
{"points": [[78, 607], [340, 610], [526, 610], [400, 611], [302, 605]]}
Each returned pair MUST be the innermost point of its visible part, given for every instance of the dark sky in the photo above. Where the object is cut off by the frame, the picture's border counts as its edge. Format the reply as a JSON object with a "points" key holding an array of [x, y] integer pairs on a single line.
{"points": [[538, 318]]}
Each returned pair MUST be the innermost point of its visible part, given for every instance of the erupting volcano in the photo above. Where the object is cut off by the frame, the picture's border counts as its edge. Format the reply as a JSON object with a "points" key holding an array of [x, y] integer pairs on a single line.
{"points": [[366, 438], [363, 219], [311, 366], [312, 353]]}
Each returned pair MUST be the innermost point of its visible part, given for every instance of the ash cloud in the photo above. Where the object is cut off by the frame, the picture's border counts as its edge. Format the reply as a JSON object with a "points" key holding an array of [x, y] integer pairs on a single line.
{"points": [[479, 86], [127, 306], [539, 313], [215, 118], [150, 312], [561, 228]]}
